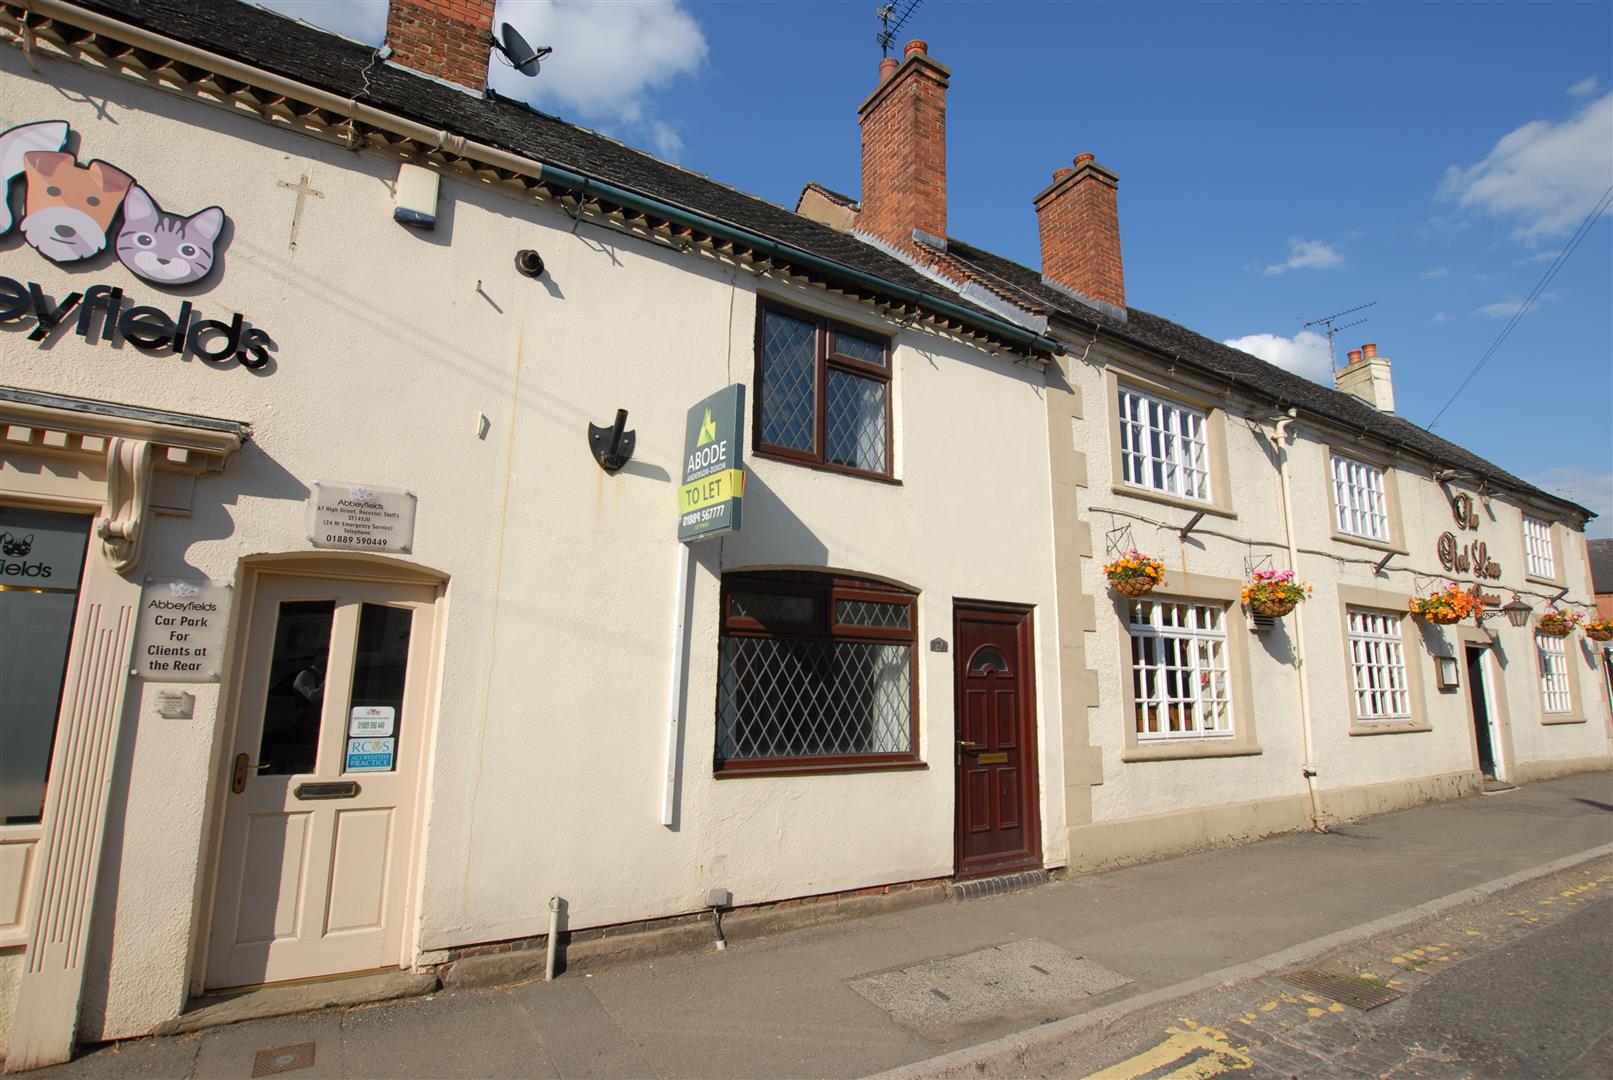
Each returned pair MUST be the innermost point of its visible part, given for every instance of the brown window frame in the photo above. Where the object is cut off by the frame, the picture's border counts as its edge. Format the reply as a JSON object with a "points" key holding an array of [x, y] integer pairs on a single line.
{"points": [[827, 359], [826, 589]]}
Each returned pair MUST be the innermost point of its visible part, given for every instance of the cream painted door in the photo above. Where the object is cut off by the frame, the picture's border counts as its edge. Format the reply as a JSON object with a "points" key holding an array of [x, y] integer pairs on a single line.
{"points": [[320, 806]]}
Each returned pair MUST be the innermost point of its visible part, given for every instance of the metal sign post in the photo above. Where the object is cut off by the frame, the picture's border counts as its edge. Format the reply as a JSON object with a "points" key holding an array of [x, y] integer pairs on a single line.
{"points": [[709, 501]]}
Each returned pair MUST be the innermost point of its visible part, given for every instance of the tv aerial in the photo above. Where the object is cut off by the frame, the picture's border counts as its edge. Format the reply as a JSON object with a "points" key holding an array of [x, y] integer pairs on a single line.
{"points": [[516, 52], [1334, 326], [891, 17]]}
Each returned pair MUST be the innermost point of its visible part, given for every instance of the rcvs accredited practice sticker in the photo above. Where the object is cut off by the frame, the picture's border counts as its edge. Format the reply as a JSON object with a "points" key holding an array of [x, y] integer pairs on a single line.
{"points": [[374, 721], [370, 755]]}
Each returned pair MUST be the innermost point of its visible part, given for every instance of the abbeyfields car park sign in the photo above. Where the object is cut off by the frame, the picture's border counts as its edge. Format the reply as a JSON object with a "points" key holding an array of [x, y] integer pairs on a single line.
{"points": [[713, 467]]}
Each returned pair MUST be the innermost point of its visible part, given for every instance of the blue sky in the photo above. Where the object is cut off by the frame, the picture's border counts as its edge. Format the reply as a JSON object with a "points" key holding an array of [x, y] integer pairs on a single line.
{"points": [[1278, 163]]}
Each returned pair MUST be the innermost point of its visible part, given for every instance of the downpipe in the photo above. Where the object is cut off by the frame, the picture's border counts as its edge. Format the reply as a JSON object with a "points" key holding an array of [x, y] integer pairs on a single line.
{"points": [[1281, 439], [552, 946]]}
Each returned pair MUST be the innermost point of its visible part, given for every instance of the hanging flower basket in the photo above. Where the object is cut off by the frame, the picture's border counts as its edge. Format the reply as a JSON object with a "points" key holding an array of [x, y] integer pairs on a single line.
{"points": [[1274, 593], [1556, 623], [1449, 605], [1599, 629], [1135, 574]]}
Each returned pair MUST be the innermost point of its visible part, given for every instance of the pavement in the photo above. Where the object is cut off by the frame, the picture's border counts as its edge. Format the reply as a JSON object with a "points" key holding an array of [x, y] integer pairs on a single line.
{"points": [[987, 986]]}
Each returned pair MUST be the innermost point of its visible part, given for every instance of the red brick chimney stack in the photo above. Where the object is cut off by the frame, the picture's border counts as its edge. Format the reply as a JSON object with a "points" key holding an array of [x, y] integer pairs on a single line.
{"points": [[447, 39], [1080, 225], [904, 129]]}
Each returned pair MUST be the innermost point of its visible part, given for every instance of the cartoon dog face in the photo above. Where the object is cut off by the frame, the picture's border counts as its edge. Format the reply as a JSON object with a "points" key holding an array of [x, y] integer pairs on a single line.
{"points": [[70, 206], [16, 546]]}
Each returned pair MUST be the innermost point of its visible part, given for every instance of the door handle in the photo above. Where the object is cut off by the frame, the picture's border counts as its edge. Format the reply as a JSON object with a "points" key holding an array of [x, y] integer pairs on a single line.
{"points": [[969, 747], [238, 773]]}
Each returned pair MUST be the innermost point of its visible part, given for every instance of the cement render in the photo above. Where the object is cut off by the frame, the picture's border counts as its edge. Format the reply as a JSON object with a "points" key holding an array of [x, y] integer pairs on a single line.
{"points": [[783, 1006]]}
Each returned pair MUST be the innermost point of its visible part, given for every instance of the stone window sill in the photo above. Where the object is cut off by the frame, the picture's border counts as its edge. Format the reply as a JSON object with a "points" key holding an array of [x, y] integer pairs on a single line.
{"points": [[1185, 749], [1215, 509], [1362, 541], [1561, 718], [1388, 727]]}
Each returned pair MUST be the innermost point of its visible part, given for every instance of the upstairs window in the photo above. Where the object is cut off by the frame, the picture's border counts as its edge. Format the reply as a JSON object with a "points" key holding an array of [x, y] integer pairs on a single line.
{"points": [[1163, 446], [824, 394], [815, 672], [1537, 546], [1359, 506]]}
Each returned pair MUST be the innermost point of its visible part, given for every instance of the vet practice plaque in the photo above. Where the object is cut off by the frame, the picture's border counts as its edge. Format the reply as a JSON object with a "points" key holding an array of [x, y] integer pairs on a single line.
{"points": [[361, 517], [180, 633]]}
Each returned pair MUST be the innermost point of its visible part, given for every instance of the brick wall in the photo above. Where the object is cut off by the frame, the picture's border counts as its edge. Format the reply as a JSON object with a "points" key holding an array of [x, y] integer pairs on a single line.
{"points": [[1079, 218], [904, 134], [449, 39]]}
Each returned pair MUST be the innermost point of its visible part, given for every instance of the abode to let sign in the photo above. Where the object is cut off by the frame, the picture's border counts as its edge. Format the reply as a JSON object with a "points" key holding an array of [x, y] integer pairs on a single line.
{"points": [[713, 466]]}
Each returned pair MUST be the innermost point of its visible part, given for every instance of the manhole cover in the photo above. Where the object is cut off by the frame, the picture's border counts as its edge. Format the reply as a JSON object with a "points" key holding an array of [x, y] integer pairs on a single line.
{"points": [[283, 1059], [1345, 989], [940, 998]]}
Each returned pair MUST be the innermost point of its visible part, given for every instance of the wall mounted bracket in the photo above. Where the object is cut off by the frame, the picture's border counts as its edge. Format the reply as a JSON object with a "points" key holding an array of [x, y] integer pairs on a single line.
{"points": [[1192, 523], [612, 446], [1383, 562]]}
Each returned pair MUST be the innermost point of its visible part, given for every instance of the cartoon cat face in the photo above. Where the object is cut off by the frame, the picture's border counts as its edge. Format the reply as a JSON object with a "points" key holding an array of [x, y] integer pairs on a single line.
{"points": [[16, 546], [166, 248], [70, 206]]}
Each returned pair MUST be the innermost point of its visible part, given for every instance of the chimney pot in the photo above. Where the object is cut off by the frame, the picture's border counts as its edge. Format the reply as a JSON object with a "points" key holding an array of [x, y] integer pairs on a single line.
{"points": [[917, 45], [1060, 174], [1369, 350], [1082, 159], [887, 67], [1355, 356]]}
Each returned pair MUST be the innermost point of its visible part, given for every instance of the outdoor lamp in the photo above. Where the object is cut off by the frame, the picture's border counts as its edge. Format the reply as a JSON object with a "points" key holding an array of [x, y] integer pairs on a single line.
{"points": [[1516, 611]]}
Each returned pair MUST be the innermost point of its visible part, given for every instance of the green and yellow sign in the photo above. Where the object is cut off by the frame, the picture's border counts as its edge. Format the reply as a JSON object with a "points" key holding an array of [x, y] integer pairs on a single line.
{"points": [[713, 466]]}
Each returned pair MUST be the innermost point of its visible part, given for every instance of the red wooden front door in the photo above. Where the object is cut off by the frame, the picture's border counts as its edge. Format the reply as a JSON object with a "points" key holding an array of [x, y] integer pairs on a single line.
{"points": [[999, 813]]}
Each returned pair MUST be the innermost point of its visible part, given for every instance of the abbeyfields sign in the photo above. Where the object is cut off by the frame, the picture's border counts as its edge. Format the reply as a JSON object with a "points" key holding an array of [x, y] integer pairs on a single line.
{"points": [[713, 466]]}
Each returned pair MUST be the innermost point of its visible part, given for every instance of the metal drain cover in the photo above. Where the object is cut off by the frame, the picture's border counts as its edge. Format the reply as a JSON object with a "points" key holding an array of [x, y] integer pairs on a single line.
{"points": [[1360, 994], [941, 999], [281, 1059]]}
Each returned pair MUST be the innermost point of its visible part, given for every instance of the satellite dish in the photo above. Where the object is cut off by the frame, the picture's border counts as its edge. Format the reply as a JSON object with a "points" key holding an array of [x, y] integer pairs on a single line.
{"points": [[516, 52]]}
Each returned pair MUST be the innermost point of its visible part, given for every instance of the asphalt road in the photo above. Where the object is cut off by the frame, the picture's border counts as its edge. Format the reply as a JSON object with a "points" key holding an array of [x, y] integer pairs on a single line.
{"points": [[1521, 986]]}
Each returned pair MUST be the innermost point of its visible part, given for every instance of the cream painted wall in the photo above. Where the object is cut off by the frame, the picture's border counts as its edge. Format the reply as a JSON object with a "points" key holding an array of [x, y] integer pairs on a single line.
{"points": [[547, 749], [1220, 546]]}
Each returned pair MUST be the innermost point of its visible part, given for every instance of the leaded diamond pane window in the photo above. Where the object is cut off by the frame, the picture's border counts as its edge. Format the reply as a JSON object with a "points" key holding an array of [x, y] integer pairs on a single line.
{"points": [[824, 394], [789, 382], [799, 694]]}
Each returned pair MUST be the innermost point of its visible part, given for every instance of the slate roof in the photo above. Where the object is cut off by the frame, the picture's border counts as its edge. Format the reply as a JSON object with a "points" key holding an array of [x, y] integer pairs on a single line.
{"points": [[296, 50], [1601, 565], [1240, 369]]}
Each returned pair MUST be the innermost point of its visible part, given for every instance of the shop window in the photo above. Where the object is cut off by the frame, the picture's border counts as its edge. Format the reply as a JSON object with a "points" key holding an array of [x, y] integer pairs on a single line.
{"points": [[1378, 665], [816, 672], [824, 394], [41, 561], [1180, 688], [1557, 695], [1163, 446], [1537, 546], [1360, 506]]}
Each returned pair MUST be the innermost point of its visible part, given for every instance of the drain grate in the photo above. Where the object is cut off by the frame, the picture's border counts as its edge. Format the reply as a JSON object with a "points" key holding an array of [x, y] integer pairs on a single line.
{"points": [[1345, 989], [283, 1059]]}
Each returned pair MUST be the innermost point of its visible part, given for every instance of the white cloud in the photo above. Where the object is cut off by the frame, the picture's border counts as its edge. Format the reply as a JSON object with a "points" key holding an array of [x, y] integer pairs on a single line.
{"points": [[361, 20], [1592, 490], [1307, 255], [609, 60], [1585, 87], [1439, 272], [1539, 257], [1545, 176], [1441, 317], [1505, 309], [1305, 353]]}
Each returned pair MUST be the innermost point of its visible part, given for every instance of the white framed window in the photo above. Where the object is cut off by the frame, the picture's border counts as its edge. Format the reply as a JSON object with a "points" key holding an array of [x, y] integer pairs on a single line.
{"points": [[1179, 670], [1163, 446], [1378, 665], [1537, 547], [1359, 506], [1554, 687]]}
